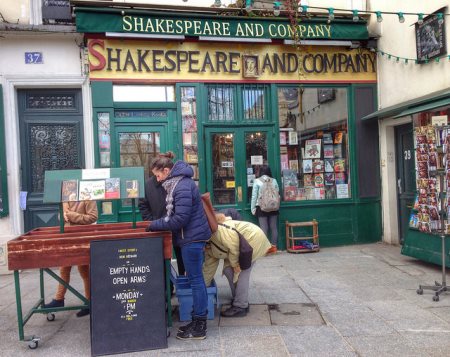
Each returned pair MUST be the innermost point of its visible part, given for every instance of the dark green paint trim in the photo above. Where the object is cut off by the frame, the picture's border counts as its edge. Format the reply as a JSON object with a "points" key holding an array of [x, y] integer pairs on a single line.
{"points": [[3, 165], [426, 247]]}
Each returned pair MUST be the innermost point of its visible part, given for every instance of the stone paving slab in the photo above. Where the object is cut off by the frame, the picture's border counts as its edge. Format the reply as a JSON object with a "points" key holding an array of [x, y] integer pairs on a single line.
{"points": [[295, 315]]}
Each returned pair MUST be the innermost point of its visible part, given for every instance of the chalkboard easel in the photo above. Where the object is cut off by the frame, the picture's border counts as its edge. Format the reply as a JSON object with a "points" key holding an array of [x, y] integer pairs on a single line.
{"points": [[127, 296]]}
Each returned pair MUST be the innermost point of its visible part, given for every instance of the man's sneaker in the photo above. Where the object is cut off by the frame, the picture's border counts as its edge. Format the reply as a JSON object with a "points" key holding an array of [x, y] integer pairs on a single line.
{"points": [[83, 312], [54, 303], [234, 311], [196, 330]]}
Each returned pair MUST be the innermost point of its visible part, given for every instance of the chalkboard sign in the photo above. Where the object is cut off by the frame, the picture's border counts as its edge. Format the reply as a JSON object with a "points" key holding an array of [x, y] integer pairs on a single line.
{"points": [[127, 296]]}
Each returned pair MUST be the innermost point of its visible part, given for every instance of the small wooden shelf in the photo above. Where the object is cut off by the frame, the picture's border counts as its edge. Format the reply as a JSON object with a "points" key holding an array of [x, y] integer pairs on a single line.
{"points": [[291, 238]]}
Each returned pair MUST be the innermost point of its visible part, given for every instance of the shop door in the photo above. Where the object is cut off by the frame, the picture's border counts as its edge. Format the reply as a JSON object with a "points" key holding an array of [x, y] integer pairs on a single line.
{"points": [[406, 175], [233, 158], [51, 138], [137, 146]]}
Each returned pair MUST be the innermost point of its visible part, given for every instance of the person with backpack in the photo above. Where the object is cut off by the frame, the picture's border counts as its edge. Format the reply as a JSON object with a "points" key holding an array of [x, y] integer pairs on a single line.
{"points": [[265, 204]]}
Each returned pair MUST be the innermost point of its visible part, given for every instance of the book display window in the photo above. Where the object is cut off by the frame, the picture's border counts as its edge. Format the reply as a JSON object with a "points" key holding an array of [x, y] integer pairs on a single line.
{"points": [[223, 169], [314, 143], [189, 122], [432, 155], [104, 139]]}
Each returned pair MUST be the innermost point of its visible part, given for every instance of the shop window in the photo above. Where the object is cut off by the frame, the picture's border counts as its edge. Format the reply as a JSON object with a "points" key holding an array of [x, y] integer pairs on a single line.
{"points": [[255, 157], [220, 102], [314, 143], [253, 101], [143, 93], [189, 122], [104, 139], [223, 168]]}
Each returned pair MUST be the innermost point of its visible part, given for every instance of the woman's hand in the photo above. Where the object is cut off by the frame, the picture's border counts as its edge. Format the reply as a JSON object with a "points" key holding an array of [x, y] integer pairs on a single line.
{"points": [[237, 269], [148, 229]]}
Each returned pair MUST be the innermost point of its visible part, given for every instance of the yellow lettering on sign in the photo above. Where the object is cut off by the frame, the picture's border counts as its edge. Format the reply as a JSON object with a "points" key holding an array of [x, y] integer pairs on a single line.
{"points": [[127, 25], [207, 29], [179, 26], [226, 28], [138, 24], [149, 28], [197, 28], [239, 30]]}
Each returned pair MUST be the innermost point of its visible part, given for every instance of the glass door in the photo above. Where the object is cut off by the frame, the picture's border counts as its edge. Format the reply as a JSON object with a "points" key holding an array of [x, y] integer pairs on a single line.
{"points": [[137, 145], [233, 159]]}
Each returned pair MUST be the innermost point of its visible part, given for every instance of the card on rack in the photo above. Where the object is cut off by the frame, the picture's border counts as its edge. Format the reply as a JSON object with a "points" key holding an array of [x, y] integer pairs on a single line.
{"points": [[328, 151], [337, 151], [307, 166], [69, 191], [318, 166], [293, 165], [290, 193], [329, 165], [338, 136], [327, 138], [318, 180], [112, 188], [329, 179], [339, 177], [282, 138], [92, 190], [308, 180], [339, 165], [132, 188], [312, 149]]}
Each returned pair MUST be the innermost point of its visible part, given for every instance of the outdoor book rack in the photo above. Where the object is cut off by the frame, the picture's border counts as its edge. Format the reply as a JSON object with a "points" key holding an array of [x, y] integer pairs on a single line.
{"points": [[439, 288], [47, 247], [292, 236]]}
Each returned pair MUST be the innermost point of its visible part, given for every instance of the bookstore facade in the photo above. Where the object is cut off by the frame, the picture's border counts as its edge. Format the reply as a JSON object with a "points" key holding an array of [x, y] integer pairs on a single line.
{"points": [[229, 107]]}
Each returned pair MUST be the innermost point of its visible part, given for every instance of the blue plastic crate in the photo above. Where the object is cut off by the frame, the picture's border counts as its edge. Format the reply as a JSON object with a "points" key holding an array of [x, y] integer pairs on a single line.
{"points": [[184, 295]]}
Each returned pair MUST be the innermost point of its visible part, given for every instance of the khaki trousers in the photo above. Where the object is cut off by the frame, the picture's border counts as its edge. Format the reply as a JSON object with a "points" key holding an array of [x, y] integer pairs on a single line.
{"points": [[64, 273]]}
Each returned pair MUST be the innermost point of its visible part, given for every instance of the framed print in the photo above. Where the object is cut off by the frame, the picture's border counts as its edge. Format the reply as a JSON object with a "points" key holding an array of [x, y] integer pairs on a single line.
{"points": [[430, 38], [250, 66], [325, 95]]}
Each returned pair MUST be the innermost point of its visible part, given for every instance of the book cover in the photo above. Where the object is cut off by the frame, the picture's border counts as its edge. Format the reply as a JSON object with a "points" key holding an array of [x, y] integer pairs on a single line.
{"points": [[284, 162], [293, 165], [330, 192], [132, 188], [312, 149], [328, 151], [319, 193], [327, 138], [329, 165], [289, 178], [310, 193], [290, 193], [337, 151], [339, 177], [318, 180], [104, 141], [339, 165], [338, 137], [307, 166], [282, 138], [301, 194], [92, 190], [318, 166], [341, 191], [308, 180], [69, 191], [112, 188], [293, 138], [329, 179]]}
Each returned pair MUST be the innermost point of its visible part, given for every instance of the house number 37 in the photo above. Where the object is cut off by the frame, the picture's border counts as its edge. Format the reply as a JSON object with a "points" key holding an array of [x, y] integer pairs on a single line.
{"points": [[407, 154]]}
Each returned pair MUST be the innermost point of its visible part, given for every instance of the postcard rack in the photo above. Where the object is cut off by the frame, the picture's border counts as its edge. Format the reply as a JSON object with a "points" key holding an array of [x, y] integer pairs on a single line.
{"points": [[433, 180]]}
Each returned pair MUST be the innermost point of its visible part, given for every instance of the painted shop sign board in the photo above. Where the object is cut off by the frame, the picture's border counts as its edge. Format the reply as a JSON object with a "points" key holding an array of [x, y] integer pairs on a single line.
{"points": [[200, 61], [127, 296], [135, 22]]}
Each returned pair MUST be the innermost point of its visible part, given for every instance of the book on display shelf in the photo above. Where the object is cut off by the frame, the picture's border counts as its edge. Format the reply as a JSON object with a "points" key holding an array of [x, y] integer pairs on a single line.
{"points": [[312, 149], [69, 191]]}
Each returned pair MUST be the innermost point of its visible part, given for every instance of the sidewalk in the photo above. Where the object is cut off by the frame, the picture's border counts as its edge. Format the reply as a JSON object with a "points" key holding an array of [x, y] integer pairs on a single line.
{"points": [[346, 301]]}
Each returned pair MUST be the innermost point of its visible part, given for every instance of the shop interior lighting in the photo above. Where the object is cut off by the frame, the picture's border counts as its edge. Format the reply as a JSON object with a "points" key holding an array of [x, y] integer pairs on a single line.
{"points": [[330, 14], [145, 35], [401, 17], [276, 8], [379, 17], [420, 19]]}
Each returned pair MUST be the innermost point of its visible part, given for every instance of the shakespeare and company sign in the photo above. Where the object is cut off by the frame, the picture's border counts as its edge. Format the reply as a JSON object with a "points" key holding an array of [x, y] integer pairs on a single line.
{"points": [[199, 61]]}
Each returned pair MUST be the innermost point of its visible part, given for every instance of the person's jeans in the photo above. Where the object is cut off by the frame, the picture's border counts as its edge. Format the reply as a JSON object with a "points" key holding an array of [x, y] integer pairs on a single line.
{"points": [[193, 256], [270, 222]]}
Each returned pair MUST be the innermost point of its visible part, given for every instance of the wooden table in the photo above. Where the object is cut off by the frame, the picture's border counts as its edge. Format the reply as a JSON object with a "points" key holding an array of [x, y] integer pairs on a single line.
{"points": [[43, 248]]}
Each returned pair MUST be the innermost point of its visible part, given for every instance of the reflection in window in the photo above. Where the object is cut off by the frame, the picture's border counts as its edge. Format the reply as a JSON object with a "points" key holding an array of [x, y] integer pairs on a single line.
{"points": [[220, 102], [255, 156], [143, 93], [138, 149], [253, 100], [223, 168], [314, 143]]}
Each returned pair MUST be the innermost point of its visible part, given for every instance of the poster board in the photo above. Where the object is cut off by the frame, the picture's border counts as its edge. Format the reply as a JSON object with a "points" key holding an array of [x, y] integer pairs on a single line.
{"points": [[54, 180], [127, 296]]}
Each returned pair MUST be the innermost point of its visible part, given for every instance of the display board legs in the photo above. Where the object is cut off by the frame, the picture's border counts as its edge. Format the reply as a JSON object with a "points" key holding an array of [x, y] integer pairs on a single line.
{"points": [[438, 288], [38, 306], [168, 292]]}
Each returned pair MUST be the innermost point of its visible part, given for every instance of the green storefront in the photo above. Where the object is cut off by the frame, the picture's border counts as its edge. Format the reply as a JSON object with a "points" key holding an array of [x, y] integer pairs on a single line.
{"points": [[228, 94]]}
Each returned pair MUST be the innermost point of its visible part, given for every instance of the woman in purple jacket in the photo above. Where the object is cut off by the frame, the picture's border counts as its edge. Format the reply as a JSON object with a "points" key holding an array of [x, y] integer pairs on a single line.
{"points": [[190, 231]]}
